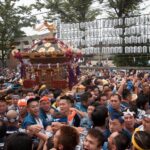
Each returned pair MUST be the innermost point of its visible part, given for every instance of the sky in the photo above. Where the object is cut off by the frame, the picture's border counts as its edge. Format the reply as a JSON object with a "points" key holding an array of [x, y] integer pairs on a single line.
{"points": [[30, 31]]}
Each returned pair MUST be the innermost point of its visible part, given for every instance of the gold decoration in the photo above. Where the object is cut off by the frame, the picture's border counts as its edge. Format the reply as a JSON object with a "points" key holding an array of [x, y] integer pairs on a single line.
{"points": [[42, 50], [47, 44], [51, 49]]}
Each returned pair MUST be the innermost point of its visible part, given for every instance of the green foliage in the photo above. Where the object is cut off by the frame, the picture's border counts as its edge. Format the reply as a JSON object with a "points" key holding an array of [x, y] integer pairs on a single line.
{"points": [[131, 60], [123, 8], [12, 19], [70, 10]]}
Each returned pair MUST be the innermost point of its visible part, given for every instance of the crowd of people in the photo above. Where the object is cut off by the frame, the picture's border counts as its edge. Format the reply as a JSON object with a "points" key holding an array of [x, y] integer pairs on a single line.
{"points": [[105, 110]]}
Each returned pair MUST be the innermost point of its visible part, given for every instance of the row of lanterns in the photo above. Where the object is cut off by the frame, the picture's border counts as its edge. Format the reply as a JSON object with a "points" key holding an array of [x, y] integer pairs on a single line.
{"points": [[135, 40], [110, 32], [107, 23], [91, 50], [104, 50], [137, 30], [136, 49], [112, 50], [115, 50], [139, 20], [107, 41]]}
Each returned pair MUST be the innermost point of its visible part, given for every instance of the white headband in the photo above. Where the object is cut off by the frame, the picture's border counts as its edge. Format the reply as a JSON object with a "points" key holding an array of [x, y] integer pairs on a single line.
{"points": [[128, 112]]}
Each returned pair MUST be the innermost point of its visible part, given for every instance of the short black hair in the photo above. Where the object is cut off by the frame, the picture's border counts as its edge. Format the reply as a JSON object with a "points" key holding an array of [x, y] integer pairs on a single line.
{"points": [[2, 101], [98, 135], [141, 101], [85, 96], [3, 98], [99, 97], [125, 93], [122, 141], [50, 143], [18, 141], [35, 99], [3, 128], [57, 92], [95, 104], [69, 99], [102, 94], [142, 139], [99, 116], [69, 137], [119, 97]]}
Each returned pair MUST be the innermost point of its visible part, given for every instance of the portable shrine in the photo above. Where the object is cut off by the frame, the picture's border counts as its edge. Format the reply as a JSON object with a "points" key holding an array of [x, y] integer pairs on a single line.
{"points": [[49, 61]]}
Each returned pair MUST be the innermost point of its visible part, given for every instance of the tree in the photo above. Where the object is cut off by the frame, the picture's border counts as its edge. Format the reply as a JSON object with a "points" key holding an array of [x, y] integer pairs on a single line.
{"points": [[70, 10], [12, 19], [122, 8], [132, 60]]}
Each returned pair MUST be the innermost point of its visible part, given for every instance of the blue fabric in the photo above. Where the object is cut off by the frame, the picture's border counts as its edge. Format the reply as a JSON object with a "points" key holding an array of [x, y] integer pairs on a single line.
{"points": [[45, 118], [30, 120], [80, 107], [12, 86], [129, 85], [111, 110], [62, 119], [114, 114], [16, 86], [105, 146], [86, 122], [124, 106], [106, 134], [127, 133], [7, 84]]}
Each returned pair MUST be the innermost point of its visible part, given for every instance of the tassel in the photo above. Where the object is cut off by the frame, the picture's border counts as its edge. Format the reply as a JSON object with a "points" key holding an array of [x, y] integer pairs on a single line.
{"points": [[78, 71], [22, 71], [71, 77]]}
